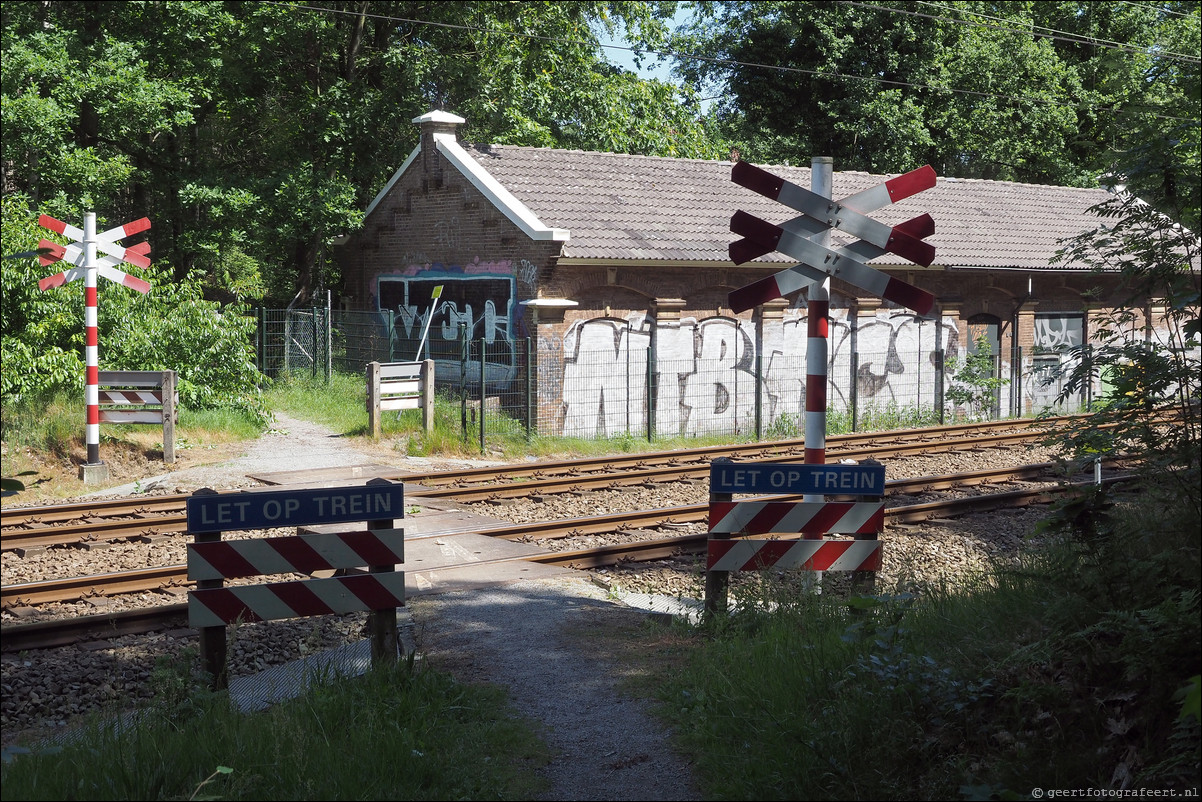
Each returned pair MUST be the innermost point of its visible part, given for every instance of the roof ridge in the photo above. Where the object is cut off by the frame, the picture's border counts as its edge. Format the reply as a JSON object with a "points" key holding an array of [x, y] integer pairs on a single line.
{"points": [[479, 145], [486, 147]]}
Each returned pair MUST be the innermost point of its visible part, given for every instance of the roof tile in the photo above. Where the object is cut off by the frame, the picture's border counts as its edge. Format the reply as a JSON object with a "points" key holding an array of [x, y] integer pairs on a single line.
{"points": [[621, 206]]}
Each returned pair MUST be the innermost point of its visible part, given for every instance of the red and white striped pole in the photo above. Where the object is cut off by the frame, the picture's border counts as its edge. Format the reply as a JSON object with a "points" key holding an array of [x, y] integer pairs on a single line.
{"points": [[819, 305], [91, 341], [818, 302]]}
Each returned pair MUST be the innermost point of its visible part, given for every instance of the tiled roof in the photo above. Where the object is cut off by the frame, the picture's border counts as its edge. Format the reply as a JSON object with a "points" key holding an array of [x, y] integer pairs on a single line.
{"points": [[620, 207]]}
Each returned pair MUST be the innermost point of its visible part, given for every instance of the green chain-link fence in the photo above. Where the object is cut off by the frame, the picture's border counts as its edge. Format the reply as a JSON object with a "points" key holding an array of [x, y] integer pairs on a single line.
{"points": [[639, 395]]}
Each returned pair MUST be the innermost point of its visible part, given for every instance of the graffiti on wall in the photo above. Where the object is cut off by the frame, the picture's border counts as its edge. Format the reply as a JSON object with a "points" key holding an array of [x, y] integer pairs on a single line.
{"points": [[1056, 335], [478, 301], [704, 371], [703, 376]]}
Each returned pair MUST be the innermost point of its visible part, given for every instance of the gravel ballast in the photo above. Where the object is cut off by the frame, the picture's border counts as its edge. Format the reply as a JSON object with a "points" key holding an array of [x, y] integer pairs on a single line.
{"points": [[524, 636]]}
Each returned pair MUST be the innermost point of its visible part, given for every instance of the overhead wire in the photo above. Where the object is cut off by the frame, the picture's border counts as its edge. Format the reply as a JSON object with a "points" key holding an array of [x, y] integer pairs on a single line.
{"points": [[663, 54], [1039, 30]]}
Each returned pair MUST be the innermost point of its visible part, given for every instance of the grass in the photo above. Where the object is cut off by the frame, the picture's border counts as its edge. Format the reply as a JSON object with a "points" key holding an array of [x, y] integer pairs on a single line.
{"points": [[1077, 668], [394, 733]]}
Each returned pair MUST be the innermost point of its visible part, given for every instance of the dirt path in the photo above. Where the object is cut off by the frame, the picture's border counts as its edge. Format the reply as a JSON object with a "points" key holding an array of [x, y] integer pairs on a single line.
{"points": [[555, 644]]}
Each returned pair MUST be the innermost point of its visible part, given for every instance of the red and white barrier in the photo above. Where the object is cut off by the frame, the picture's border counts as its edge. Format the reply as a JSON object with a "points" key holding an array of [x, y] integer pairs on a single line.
{"points": [[814, 555], [764, 517], [302, 554], [272, 601]]}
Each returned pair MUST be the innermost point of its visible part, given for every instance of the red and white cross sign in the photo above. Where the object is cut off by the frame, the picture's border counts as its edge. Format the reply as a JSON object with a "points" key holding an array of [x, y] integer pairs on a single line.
{"points": [[82, 254], [104, 241], [820, 215]]}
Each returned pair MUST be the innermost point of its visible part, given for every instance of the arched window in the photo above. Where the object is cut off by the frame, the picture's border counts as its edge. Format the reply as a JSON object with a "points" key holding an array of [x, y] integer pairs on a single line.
{"points": [[987, 328]]}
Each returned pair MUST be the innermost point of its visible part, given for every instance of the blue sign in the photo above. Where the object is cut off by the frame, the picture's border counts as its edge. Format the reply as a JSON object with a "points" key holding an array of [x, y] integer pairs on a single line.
{"points": [[787, 477], [267, 509]]}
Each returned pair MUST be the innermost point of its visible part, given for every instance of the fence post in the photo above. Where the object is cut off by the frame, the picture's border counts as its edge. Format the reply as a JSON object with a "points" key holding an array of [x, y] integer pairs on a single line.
{"points": [[261, 314], [651, 389], [382, 622], [853, 392], [316, 340], [465, 348], [169, 413], [941, 384], [373, 399], [213, 647], [863, 582], [483, 392], [530, 414], [1089, 377], [427, 377], [995, 406], [759, 392]]}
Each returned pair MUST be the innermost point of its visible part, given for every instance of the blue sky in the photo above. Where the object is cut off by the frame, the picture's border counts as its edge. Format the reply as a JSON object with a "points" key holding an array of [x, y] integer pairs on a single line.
{"points": [[622, 56]]}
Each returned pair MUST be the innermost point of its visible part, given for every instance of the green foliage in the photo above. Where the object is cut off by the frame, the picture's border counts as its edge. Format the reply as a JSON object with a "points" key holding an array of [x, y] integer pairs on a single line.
{"points": [[976, 91], [254, 133], [1150, 369], [1061, 669], [393, 733], [975, 382], [882, 417], [169, 328]]}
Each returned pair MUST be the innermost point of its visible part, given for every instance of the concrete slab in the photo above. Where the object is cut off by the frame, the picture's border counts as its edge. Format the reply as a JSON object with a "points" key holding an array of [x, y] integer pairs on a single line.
{"points": [[93, 473], [449, 522], [470, 577], [327, 477], [466, 561], [422, 524], [463, 548]]}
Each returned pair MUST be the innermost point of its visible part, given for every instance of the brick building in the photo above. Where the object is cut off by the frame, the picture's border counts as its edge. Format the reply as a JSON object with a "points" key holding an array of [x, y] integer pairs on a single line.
{"points": [[616, 268]]}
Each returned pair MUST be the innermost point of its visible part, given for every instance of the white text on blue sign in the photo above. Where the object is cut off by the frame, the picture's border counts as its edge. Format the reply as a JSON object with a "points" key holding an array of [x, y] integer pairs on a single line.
{"points": [[253, 510], [854, 480]]}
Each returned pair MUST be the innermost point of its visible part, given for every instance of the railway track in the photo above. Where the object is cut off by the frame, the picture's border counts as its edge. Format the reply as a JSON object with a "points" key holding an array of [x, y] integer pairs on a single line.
{"points": [[125, 519], [174, 578]]}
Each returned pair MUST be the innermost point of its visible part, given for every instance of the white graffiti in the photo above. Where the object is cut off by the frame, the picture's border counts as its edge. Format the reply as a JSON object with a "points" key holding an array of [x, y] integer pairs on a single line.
{"points": [[704, 378], [1057, 333], [526, 272], [704, 371], [446, 232]]}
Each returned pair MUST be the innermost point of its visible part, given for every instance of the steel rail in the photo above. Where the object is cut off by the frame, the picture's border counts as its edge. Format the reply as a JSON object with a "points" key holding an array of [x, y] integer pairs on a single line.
{"points": [[158, 579], [21, 517], [65, 631], [174, 520]]}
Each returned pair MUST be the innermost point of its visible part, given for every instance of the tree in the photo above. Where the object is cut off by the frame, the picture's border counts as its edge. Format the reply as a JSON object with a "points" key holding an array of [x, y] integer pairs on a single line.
{"points": [[1044, 92], [254, 133], [1150, 367], [975, 382]]}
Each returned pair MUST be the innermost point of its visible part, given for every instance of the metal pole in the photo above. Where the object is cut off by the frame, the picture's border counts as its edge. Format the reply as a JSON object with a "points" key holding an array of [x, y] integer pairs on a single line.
{"points": [[464, 354], [91, 347], [821, 175], [817, 348], [854, 391], [483, 391], [531, 421], [434, 306]]}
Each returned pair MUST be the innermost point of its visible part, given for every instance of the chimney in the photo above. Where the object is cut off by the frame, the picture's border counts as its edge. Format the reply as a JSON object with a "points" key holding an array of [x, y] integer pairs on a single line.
{"points": [[431, 123]]}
